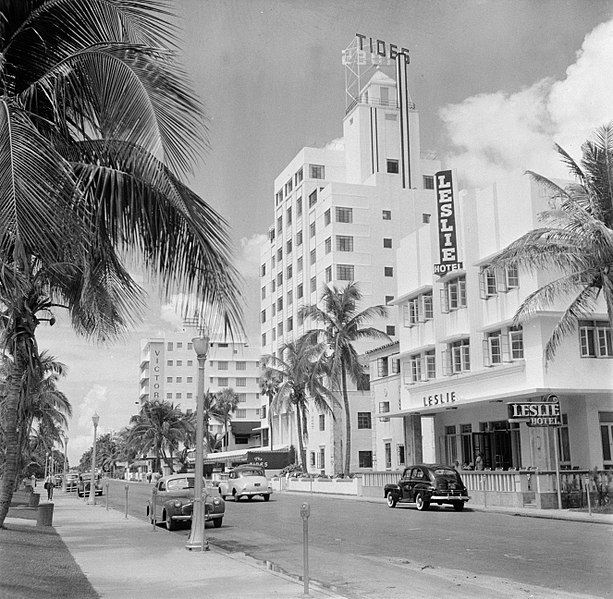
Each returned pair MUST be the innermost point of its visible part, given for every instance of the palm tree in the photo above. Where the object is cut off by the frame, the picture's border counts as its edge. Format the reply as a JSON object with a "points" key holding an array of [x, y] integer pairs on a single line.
{"points": [[301, 375], [159, 427], [576, 241], [211, 411], [269, 386], [227, 402], [100, 129], [343, 325]]}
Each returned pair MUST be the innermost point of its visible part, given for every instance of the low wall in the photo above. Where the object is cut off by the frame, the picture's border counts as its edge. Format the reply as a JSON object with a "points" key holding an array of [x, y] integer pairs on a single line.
{"points": [[330, 486]]}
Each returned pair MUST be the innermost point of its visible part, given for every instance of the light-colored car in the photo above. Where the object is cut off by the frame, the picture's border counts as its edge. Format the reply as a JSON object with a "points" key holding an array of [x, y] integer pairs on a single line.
{"points": [[84, 483], [246, 481], [72, 480], [173, 501]]}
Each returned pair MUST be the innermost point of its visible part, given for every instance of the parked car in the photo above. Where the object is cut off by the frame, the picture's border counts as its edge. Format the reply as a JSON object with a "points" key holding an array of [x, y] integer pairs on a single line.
{"points": [[423, 484], [246, 481], [71, 481], [84, 483], [173, 501]]}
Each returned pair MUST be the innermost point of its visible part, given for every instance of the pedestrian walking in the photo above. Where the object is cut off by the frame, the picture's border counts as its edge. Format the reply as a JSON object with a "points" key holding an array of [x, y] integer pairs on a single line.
{"points": [[49, 486], [33, 478], [479, 462]]}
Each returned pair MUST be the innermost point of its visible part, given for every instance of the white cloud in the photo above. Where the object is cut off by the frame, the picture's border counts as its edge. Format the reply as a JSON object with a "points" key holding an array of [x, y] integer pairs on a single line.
{"points": [[336, 144], [501, 133], [248, 259]]}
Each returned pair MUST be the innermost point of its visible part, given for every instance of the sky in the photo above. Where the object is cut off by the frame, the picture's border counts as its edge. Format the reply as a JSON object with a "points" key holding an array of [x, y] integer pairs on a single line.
{"points": [[496, 84]]}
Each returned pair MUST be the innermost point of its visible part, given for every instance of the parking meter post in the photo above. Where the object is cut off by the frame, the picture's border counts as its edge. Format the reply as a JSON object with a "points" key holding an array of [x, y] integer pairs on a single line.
{"points": [[154, 497], [107, 496], [587, 492], [127, 487], [305, 512]]}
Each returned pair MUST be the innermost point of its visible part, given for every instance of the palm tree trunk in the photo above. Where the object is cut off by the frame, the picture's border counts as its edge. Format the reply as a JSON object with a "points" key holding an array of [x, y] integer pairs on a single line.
{"points": [[347, 419], [301, 447], [7, 484], [270, 420]]}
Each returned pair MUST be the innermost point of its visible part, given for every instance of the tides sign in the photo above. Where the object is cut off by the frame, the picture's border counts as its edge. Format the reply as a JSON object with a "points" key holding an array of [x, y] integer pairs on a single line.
{"points": [[541, 413]]}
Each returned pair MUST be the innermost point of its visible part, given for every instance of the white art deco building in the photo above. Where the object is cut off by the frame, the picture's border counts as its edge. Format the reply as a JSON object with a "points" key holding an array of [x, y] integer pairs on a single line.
{"points": [[339, 214]]}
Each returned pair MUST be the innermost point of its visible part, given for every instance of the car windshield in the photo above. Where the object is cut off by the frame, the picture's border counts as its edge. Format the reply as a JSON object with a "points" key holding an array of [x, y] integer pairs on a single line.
{"points": [[446, 473], [176, 484]]}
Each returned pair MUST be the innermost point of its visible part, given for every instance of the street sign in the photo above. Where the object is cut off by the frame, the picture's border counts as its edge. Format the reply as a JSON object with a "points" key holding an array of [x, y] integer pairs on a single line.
{"points": [[536, 413]]}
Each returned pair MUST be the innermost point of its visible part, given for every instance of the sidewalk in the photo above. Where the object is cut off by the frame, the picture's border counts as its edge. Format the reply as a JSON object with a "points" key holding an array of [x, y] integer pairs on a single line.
{"points": [[124, 558]]}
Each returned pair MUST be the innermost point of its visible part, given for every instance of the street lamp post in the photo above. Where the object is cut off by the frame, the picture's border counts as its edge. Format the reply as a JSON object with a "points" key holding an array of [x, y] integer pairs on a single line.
{"points": [[92, 484], [197, 539], [65, 463]]}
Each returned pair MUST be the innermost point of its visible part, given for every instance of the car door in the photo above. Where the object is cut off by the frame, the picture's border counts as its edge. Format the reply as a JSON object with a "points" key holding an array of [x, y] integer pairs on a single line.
{"points": [[404, 484], [416, 479], [160, 497]]}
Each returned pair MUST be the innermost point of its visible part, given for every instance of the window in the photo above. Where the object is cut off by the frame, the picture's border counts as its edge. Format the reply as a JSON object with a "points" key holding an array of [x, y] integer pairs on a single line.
{"points": [[344, 243], [190, 346], [221, 365], [264, 292], [327, 217], [457, 357], [365, 459], [313, 256], [493, 281], [263, 316], [364, 420], [425, 218], [312, 458], [390, 330], [299, 238], [392, 167], [279, 224], [222, 381], [279, 255], [345, 272], [241, 382], [169, 346], [273, 285], [169, 363], [280, 329], [317, 171], [263, 339], [516, 339], [288, 187], [384, 407], [382, 367], [189, 379], [328, 274], [388, 299], [400, 454], [492, 348], [322, 422], [280, 304], [299, 207], [169, 379], [422, 367], [290, 324], [278, 197], [453, 294], [179, 379], [289, 272], [263, 412], [290, 298], [385, 95], [344, 215], [387, 214], [321, 458], [328, 245], [312, 230], [179, 346], [279, 279], [299, 291], [387, 242], [313, 284], [428, 181], [595, 339], [241, 365], [190, 362], [391, 116], [288, 247], [298, 176], [388, 271], [388, 456], [312, 198], [418, 309], [241, 413], [299, 264], [564, 441], [242, 397], [189, 396]]}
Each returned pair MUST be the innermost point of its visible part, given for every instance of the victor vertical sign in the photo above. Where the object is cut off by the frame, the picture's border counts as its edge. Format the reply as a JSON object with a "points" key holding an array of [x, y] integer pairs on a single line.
{"points": [[447, 238]]}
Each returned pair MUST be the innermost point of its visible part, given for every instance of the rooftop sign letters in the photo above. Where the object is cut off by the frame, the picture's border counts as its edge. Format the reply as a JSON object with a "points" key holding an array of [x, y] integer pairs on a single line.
{"points": [[370, 51], [448, 248], [541, 413]]}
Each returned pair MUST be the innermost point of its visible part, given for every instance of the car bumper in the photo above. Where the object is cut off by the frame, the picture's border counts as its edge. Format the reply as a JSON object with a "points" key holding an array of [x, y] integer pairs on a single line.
{"points": [[449, 498]]}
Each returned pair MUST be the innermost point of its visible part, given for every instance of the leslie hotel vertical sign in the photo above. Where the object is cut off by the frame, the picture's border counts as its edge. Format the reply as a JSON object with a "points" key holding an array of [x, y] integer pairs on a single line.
{"points": [[446, 195]]}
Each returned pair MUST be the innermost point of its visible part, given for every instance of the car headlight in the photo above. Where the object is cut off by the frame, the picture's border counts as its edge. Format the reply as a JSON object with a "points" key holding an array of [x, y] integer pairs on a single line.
{"points": [[216, 501], [177, 503]]}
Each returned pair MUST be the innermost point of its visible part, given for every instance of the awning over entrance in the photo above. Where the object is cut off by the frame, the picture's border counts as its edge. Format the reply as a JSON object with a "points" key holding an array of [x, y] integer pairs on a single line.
{"points": [[244, 428]]}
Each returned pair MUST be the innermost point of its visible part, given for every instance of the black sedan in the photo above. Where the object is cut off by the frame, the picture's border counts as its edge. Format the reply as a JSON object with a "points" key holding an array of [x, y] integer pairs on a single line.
{"points": [[424, 484]]}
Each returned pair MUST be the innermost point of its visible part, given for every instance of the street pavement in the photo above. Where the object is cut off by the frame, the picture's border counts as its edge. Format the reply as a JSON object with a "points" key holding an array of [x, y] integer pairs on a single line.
{"points": [[125, 558]]}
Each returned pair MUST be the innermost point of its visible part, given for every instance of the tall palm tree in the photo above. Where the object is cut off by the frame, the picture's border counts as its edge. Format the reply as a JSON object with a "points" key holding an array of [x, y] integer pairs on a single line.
{"points": [[269, 386], [160, 426], [576, 241], [343, 325], [99, 129], [210, 411], [227, 402], [301, 375]]}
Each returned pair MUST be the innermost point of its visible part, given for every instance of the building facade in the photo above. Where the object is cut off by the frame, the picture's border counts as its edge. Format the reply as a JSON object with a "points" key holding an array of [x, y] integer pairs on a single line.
{"points": [[462, 360], [339, 214]]}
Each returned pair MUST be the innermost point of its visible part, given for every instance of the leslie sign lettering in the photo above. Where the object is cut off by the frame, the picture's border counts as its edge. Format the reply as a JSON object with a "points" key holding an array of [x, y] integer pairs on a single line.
{"points": [[447, 239], [542, 413]]}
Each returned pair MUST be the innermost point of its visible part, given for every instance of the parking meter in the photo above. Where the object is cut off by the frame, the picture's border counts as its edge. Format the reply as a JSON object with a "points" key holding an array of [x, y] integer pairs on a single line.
{"points": [[305, 512]]}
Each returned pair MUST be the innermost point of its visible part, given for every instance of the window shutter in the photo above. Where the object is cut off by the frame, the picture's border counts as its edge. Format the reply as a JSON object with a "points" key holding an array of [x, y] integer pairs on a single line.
{"points": [[482, 284], [504, 348], [487, 358], [462, 292], [444, 300], [501, 280]]}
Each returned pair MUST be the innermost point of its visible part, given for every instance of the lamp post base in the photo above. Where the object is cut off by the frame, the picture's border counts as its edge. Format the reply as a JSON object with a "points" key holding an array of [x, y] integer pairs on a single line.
{"points": [[197, 540]]}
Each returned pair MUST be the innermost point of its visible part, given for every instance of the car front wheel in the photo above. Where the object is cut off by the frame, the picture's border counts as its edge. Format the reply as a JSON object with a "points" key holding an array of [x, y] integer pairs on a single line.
{"points": [[391, 499], [170, 523], [266, 497], [422, 504], [458, 506], [217, 522]]}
